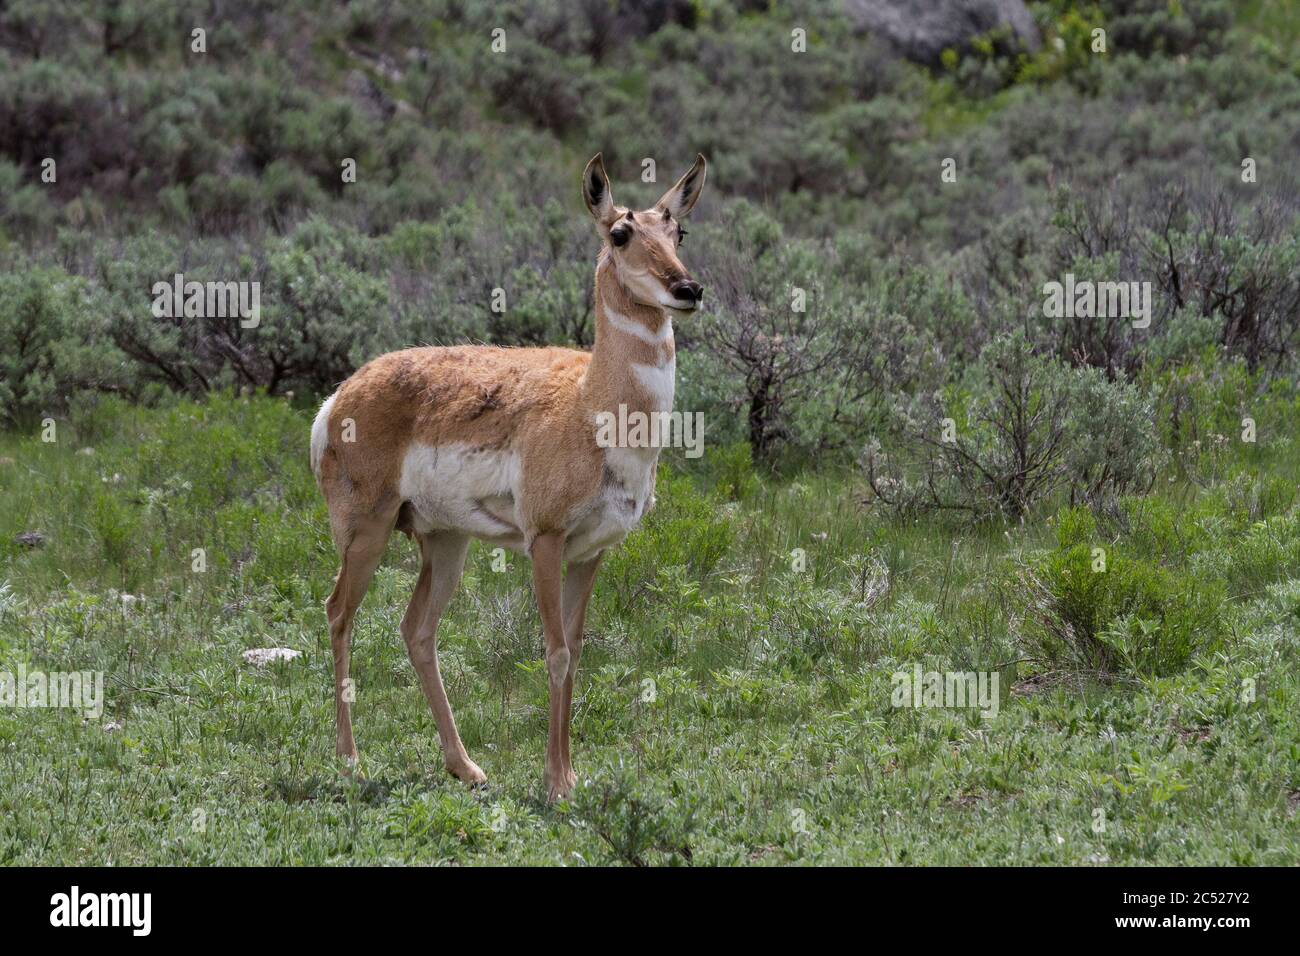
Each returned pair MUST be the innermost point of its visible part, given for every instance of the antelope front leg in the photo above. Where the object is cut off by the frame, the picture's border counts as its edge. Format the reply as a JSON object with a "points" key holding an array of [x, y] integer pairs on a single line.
{"points": [[547, 553]]}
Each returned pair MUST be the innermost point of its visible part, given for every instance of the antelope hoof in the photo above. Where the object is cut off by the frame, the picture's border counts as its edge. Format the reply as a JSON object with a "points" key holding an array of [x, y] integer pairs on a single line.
{"points": [[467, 771], [561, 788]]}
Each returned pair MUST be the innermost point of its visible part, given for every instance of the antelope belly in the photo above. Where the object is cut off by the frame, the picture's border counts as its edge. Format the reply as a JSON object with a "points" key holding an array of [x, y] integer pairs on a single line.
{"points": [[459, 488]]}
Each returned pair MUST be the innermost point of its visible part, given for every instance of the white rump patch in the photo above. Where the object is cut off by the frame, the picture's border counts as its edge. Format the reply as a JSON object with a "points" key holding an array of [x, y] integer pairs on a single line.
{"points": [[320, 434]]}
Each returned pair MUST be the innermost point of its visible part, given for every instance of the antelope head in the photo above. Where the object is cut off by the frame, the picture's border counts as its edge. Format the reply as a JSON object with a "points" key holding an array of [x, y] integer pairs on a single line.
{"points": [[643, 245]]}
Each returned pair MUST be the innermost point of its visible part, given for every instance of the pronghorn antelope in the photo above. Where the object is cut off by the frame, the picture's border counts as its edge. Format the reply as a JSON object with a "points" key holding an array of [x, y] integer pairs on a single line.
{"points": [[500, 444]]}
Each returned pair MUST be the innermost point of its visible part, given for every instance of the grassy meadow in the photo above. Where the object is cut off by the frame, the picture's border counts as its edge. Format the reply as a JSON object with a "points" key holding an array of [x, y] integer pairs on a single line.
{"points": [[766, 734], [917, 459]]}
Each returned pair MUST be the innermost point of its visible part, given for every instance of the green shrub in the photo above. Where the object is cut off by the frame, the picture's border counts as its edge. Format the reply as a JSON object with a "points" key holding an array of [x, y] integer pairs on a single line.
{"points": [[1267, 553], [686, 530], [1200, 406], [1094, 609], [450, 825], [114, 526], [1113, 445], [733, 470], [25, 209], [54, 344], [1159, 26], [1021, 429], [637, 820]]}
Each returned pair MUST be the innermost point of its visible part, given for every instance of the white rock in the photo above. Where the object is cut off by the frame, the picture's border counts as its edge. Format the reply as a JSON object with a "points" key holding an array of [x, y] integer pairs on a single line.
{"points": [[261, 656]]}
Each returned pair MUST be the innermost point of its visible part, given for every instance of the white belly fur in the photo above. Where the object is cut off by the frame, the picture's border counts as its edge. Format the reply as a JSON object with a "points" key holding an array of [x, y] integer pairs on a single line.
{"points": [[476, 492], [456, 488], [625, 497]]}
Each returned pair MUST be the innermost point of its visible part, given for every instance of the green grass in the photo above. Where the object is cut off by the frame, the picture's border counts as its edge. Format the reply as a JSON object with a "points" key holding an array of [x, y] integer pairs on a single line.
{"points": [[1273, 26], [769, 736]]}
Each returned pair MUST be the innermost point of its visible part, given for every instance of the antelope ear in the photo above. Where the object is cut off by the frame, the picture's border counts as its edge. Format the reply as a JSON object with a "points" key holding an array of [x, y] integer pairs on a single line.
{"points": [[680, 200], [595, 191]]}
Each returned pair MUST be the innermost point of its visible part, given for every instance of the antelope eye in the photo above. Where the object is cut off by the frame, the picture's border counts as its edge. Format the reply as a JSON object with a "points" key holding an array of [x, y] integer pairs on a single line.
{"points": [[681, 235], [619, 235]]}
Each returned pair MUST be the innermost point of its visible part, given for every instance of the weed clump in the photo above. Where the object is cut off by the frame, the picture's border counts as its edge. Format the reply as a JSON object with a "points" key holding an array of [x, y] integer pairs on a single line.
{"points": [[1105, 612]]}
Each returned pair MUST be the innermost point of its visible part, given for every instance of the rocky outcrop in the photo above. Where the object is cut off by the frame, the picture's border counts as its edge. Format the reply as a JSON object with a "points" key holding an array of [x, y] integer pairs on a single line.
{"points": [[922, 29]]}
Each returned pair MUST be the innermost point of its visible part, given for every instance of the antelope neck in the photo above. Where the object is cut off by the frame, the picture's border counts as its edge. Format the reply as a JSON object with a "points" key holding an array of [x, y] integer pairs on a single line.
{"points": [[633, 361]]}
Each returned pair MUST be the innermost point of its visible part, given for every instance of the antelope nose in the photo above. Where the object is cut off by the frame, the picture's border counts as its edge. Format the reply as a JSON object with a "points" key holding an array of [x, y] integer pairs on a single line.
{"points": [[687, 289]]}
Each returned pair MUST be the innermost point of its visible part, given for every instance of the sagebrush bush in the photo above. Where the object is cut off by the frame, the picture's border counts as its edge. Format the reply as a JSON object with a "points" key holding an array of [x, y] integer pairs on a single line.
{"points": [[466, 184], [1113, 444], [53, 344], [1023, 428]]}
